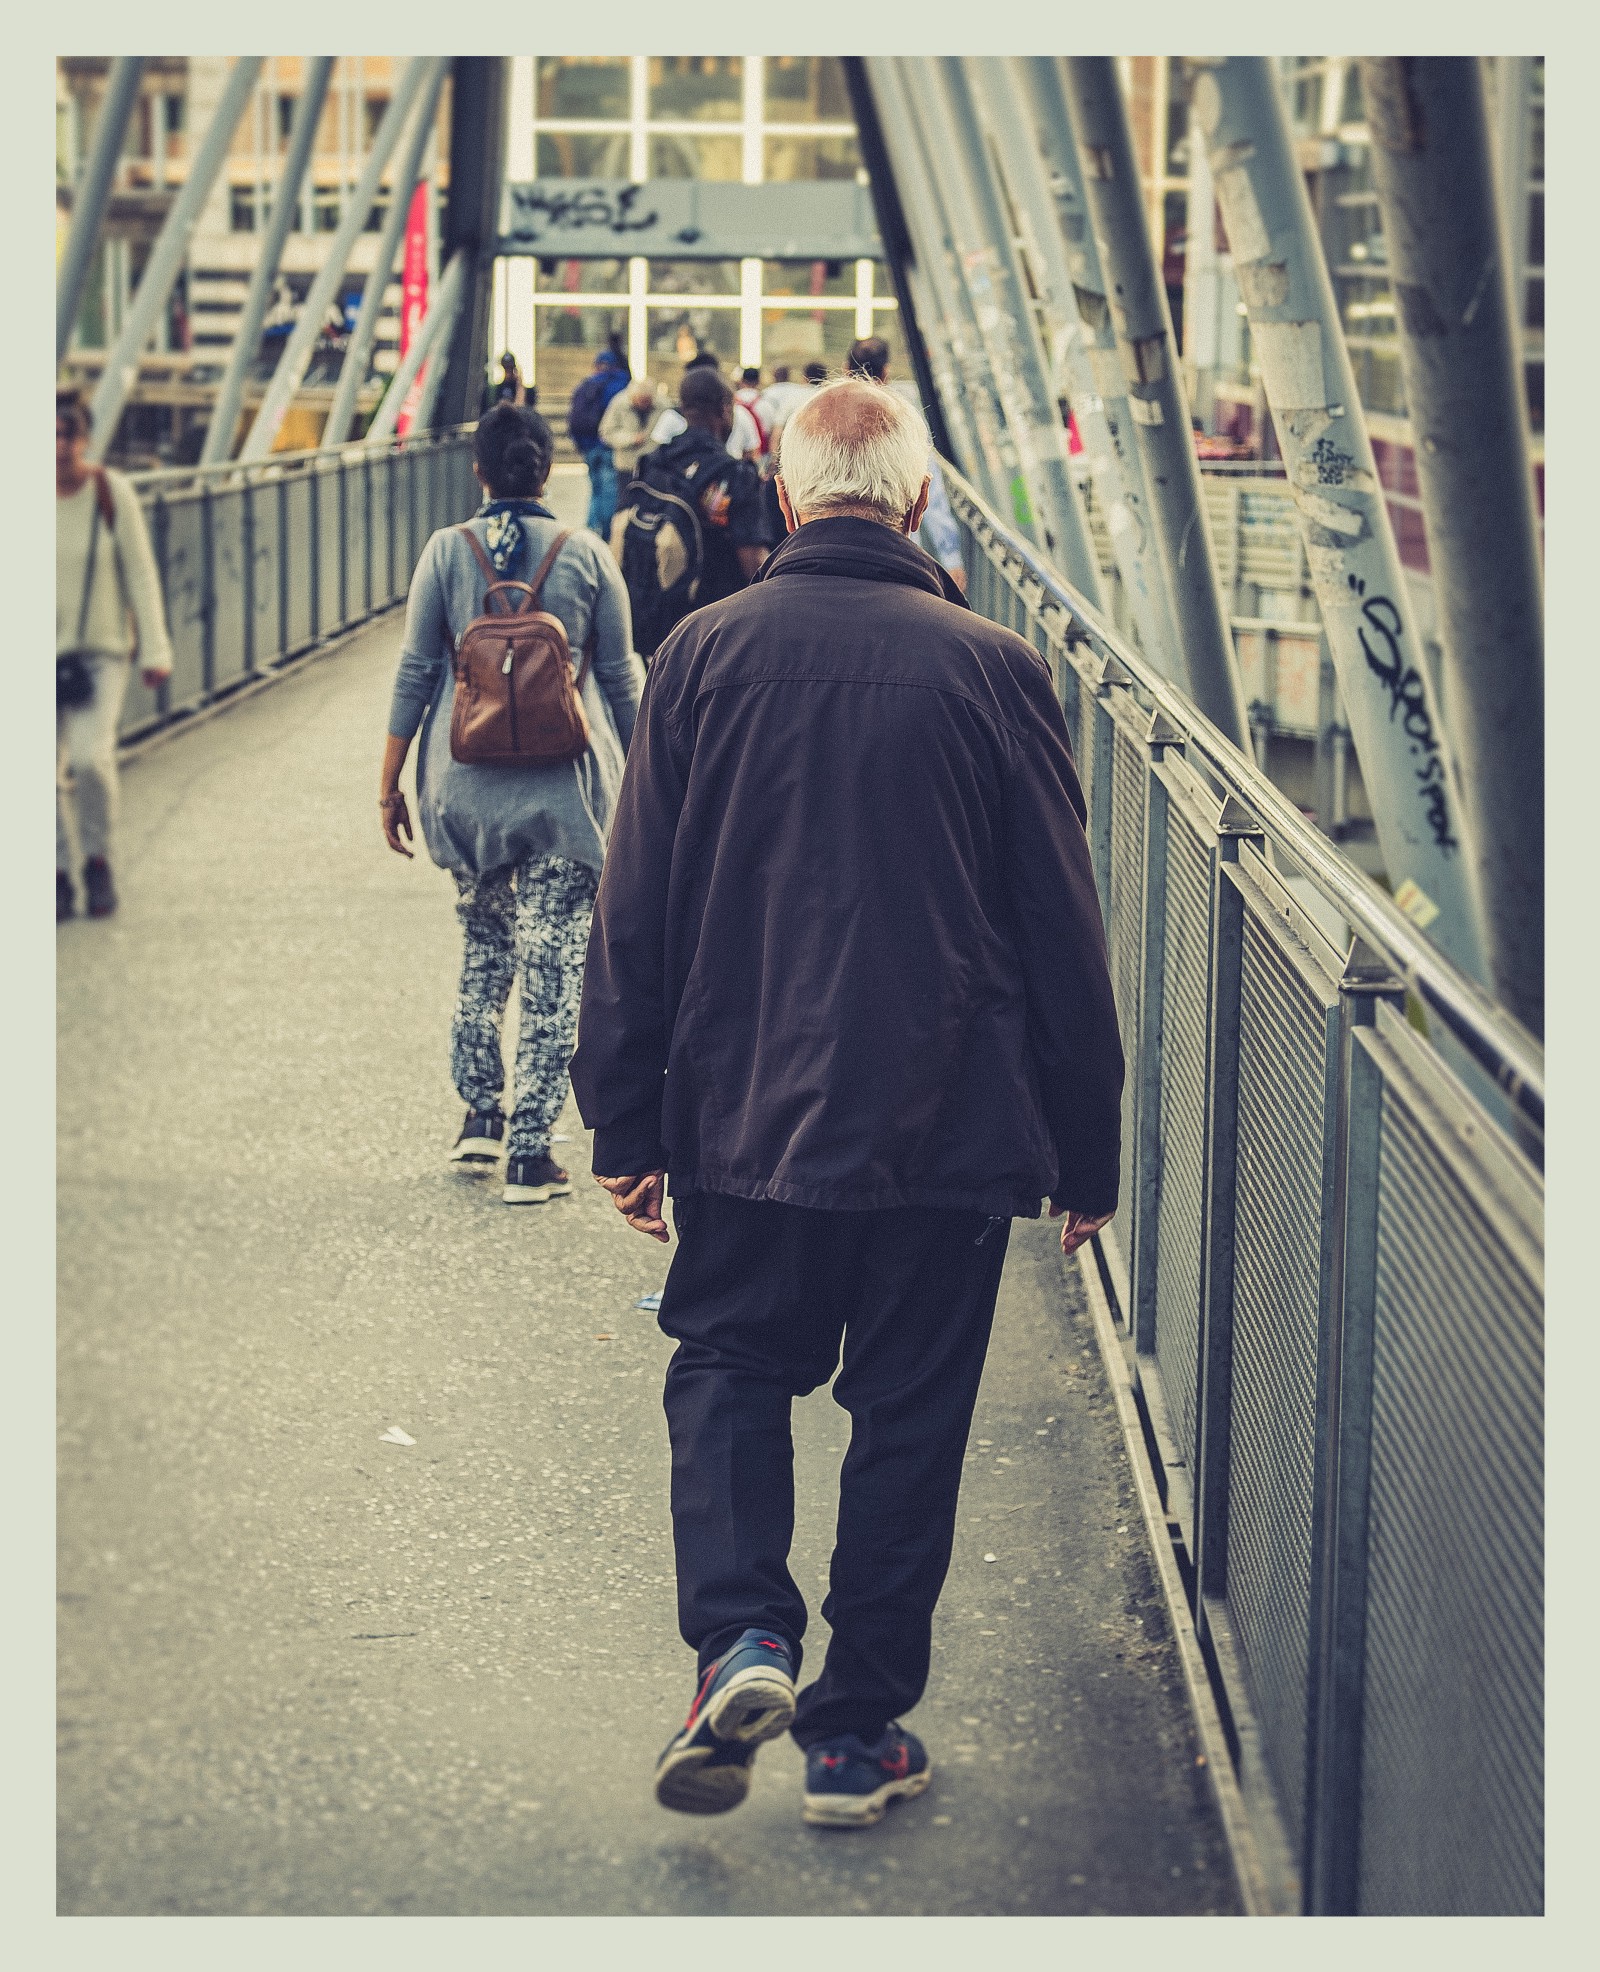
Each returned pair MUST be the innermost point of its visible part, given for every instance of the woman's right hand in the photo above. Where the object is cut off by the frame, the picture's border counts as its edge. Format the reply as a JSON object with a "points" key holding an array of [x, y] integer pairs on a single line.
{"points": [[396, 821]]}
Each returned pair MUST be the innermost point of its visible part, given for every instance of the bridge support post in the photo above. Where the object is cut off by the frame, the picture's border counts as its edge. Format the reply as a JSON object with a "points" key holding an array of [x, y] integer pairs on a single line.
{"points": [[1449, 255], [166, 256], [285, 206], [1160, 411], [1124, 490], [479, 98], [1343, 1438], [287, 377], [1350, 547], [354, 371], [895, 233], [93, 193], [1027, 118], [434, 327], [970, 403], [992, 259]]}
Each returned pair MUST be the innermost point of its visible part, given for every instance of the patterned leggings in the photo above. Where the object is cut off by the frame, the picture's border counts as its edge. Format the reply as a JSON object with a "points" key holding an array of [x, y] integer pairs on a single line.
{"points": [[530, 919]]}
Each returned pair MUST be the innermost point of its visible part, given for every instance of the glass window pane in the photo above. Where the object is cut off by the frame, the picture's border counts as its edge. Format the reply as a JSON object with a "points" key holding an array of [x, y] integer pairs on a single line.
{"points": [[582, 276], [806, 89], [796, 337], [812, 157], [694, 277], [566, 342], [886, 323], [676, 334], [563, 154], [583, 85], [696, 157], [808, 277], [709, 86]]}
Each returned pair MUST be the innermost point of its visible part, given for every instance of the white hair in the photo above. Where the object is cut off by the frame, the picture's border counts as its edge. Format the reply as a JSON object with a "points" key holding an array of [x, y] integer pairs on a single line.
{"points": [[881, 467]]}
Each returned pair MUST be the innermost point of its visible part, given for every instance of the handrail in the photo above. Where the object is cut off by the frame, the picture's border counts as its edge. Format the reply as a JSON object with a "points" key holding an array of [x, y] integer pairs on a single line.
{"points": [[1495, 1039], [232, 472]]}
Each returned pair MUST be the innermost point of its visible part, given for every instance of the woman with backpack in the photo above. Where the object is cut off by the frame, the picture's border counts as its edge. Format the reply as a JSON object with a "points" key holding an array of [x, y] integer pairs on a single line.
{"points": [[524, 728]]}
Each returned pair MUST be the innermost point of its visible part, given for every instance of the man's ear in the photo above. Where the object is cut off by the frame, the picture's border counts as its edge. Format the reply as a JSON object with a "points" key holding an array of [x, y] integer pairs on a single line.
{"points": [[919, 506], [791, 519]]}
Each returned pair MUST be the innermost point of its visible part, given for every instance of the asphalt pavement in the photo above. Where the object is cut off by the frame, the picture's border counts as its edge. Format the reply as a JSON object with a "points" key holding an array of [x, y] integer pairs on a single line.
{"points": [[310, 1667]]}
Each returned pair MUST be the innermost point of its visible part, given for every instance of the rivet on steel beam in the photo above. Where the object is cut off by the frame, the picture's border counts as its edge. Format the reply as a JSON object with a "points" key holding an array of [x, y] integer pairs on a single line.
{"points": [[1112, 672]]}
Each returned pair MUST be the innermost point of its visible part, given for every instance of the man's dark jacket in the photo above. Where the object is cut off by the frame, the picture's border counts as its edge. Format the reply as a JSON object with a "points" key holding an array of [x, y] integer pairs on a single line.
{"points": [[847, 951]]}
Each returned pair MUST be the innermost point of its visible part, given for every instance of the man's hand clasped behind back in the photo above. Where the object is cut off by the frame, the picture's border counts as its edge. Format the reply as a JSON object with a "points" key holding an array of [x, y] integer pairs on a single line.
{"points": [[639, 1200]]}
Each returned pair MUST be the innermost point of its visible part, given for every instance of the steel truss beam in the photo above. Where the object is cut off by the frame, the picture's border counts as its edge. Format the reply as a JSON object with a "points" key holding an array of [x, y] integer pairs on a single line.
{"points": [[285, 205], [1450, 258], [1350, 547], [287, 377], [93, 193], [166, 256], [1137, 302]]}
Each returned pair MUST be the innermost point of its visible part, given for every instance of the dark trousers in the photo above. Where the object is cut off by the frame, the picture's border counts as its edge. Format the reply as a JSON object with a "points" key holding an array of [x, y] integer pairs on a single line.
{"points": [[759, 1299]]}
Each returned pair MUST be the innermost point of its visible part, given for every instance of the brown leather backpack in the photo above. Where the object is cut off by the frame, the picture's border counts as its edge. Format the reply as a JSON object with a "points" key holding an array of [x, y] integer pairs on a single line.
{"points": [[517, 703]]}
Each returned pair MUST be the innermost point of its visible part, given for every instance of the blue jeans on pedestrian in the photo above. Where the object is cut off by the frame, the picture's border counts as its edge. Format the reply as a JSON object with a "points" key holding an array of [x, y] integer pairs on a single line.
{"points": [[602, 488]]}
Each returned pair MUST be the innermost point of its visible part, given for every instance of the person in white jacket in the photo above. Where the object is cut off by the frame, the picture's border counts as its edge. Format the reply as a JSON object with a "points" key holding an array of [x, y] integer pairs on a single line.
{"points": [[108, 608]]}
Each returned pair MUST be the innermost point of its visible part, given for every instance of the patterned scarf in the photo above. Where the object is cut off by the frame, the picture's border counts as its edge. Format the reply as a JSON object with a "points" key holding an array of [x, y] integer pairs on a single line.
{"points": [[505, 519]]}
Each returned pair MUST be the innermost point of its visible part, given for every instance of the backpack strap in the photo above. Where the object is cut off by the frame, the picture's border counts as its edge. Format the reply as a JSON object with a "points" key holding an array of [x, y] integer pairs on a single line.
{"points": [[490, 573], [537, 584], [102, 496]]}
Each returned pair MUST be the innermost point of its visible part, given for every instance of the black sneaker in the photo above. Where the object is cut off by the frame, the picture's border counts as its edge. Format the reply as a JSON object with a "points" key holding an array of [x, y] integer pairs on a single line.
{"points": [[849, 1785], [745, 1698], [534, 1180], [66, 897], [100, 891], [482, 1138]]}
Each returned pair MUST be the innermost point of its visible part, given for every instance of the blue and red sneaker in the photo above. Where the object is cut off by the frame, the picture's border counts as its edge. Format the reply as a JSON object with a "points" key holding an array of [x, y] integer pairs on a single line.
{"points": [[745, 1697], [850, 1785]]}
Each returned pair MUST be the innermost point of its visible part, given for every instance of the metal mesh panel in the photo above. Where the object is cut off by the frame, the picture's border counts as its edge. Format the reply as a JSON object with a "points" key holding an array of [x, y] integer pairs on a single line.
{"points": [[227, 561], [1452, 1772], [1278, 1237], [1185, 989], [1128, 774]]}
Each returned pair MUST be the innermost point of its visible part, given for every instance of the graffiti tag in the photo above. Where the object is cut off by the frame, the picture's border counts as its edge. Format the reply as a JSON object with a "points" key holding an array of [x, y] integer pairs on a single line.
{"points": [[1408, 703], [539, 209]]}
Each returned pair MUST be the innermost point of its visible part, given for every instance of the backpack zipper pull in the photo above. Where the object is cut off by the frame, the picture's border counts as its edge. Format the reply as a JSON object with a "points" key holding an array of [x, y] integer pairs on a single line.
{"points": [[505, 669]]}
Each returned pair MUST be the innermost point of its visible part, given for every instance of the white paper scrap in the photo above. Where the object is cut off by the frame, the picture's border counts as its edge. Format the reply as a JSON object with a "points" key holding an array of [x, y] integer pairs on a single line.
{"points": [[395, 1436]]}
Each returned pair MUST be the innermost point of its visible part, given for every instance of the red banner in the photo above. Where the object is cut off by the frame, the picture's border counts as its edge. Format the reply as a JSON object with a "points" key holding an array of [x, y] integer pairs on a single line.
{"points": [[413, 296]]}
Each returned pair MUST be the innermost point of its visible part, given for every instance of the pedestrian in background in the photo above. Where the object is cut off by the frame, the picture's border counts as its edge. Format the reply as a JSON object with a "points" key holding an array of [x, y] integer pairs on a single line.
{"points": [[847, 992], [524, 842], [609, 376], [109, 614], [748, 396], [625, 428], [744, 434], [689, 527]]}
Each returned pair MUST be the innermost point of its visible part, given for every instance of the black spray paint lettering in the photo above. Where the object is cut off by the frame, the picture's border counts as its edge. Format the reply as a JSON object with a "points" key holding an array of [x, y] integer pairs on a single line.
{"points": [[1409, 704], [592, 206]]}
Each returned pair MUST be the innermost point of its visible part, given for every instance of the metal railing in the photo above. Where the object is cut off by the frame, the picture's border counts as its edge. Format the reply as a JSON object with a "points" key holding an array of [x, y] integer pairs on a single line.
{"points": [[260, 564], [1327, 1268]]}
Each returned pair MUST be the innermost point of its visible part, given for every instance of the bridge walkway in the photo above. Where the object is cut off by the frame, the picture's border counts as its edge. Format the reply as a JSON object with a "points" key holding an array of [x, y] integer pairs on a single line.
{"points": [[307, 1670]]}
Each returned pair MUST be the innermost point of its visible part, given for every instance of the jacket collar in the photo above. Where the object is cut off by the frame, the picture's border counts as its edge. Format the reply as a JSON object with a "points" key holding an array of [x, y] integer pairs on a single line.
{"points": [[865, 551]]}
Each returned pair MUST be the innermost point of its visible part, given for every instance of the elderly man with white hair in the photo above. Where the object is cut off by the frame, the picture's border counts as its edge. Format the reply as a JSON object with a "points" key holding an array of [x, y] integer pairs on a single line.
{"points": [[847, 995]]}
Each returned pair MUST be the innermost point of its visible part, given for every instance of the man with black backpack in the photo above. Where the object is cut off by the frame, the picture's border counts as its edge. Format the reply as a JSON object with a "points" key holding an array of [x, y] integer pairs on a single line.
{"points": [[609, 376], [689, 528]]}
